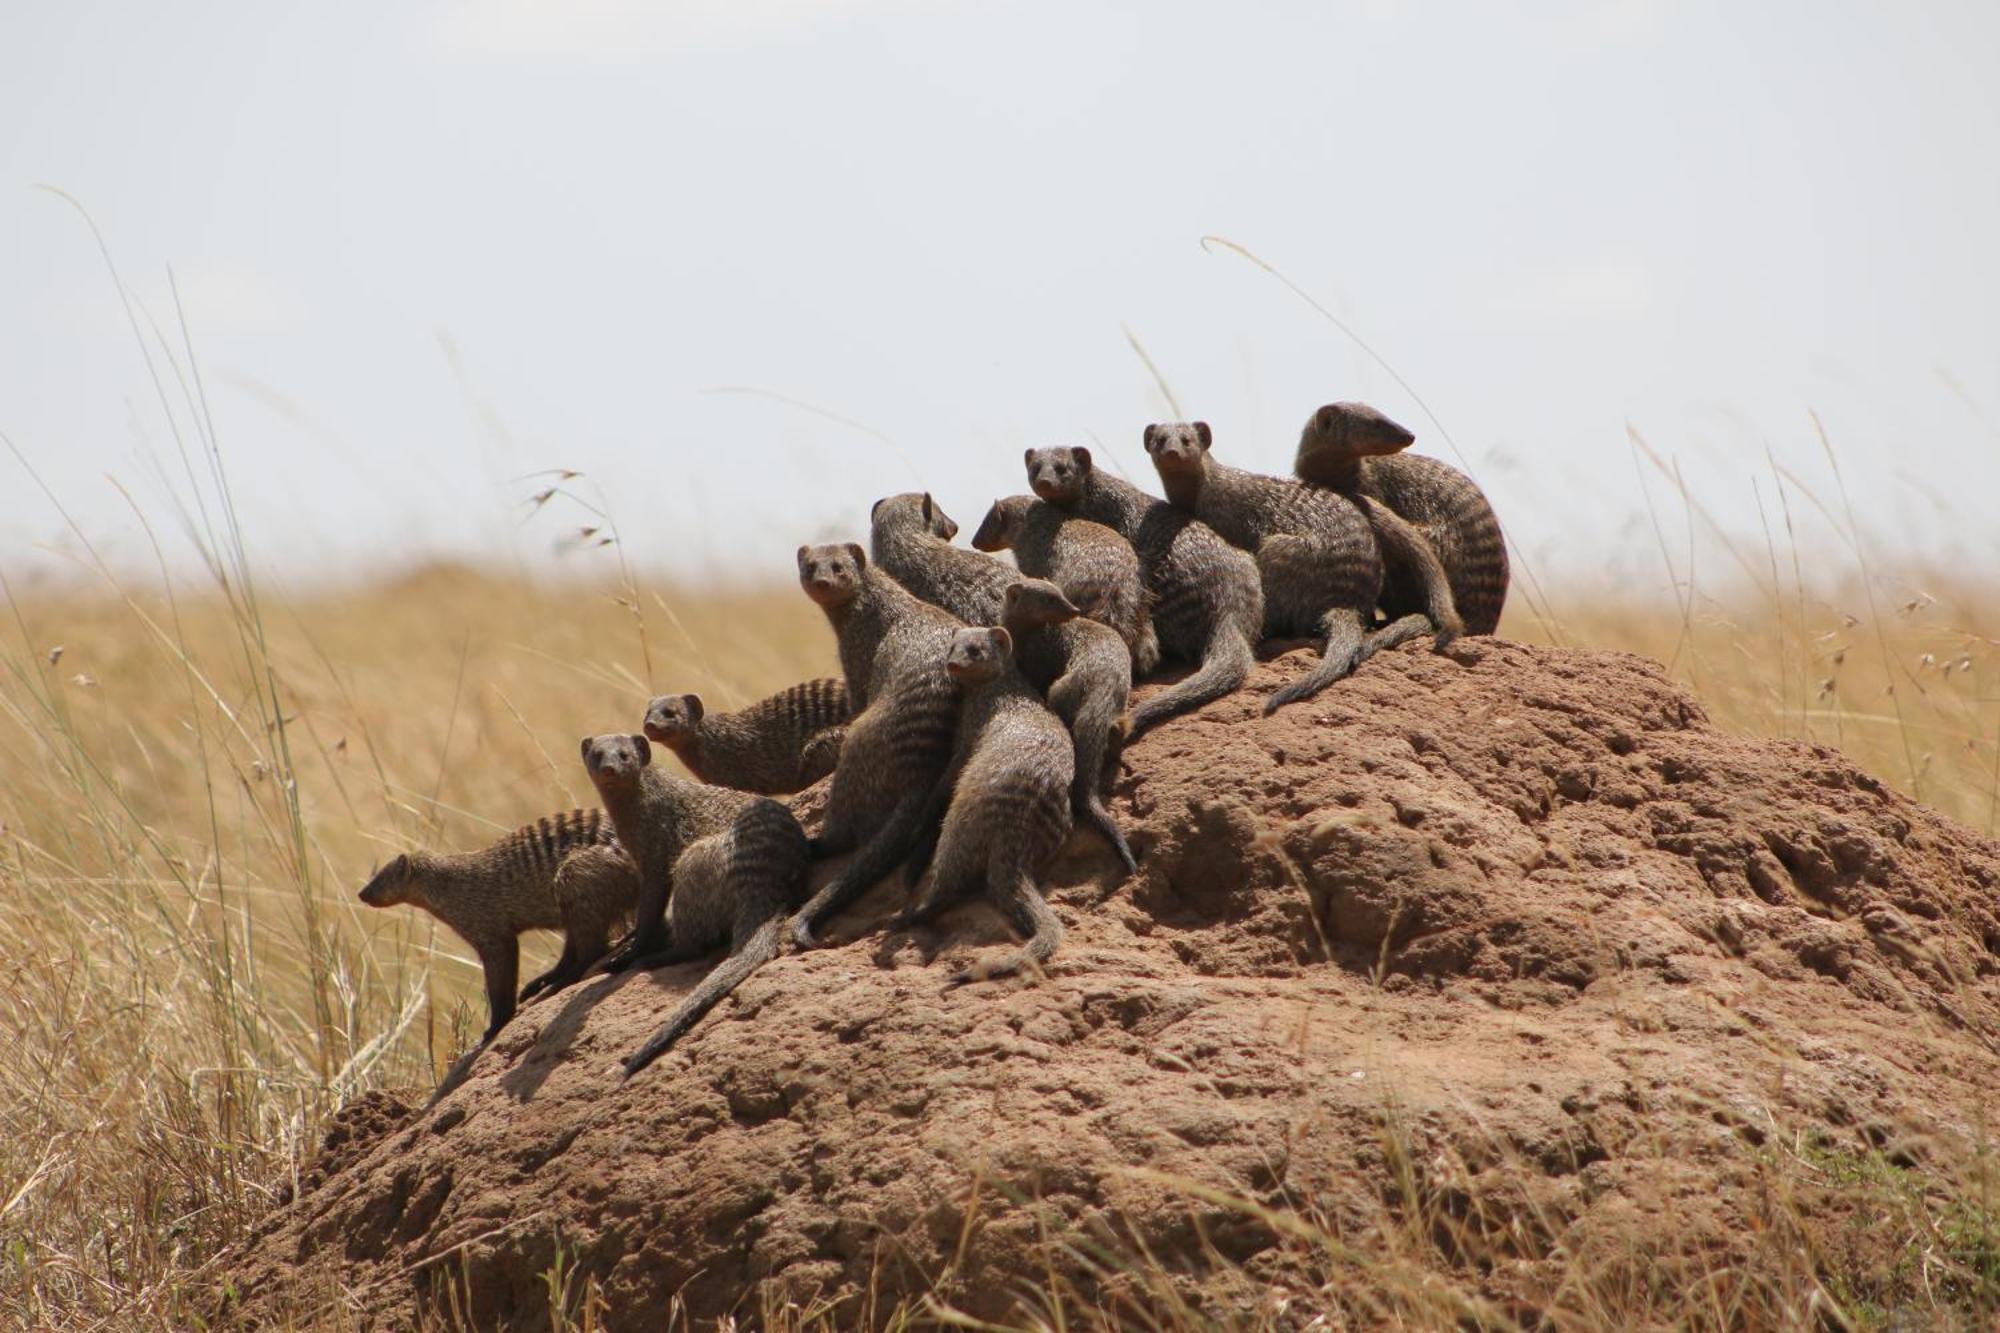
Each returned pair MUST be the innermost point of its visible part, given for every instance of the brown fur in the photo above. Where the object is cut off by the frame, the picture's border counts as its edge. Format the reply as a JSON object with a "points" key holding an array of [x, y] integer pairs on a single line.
{"points": [[1095, 567], [777, 745]]}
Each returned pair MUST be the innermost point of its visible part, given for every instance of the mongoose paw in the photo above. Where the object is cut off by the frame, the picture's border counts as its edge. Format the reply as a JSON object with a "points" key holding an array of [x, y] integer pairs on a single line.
{"points": [[1446, 636], [802, 934]]}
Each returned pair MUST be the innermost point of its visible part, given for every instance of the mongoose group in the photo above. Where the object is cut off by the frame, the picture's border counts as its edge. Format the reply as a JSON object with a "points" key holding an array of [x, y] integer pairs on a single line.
{"points": [[981, 706]]}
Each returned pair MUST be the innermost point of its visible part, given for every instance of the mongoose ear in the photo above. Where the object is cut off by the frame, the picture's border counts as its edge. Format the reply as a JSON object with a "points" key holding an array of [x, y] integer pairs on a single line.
{"points": [[645, 748], [1003, 642], [860, 556], [803, 552], [930, 508], [1028, 457], [1083, 458], [1207, 436], [401, 865], [586, 750], [1152, 433], [694, 708]]}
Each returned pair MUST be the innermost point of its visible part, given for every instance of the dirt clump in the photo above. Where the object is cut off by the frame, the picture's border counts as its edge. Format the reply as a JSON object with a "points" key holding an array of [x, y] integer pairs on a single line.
{"points": [[1513, 944]]}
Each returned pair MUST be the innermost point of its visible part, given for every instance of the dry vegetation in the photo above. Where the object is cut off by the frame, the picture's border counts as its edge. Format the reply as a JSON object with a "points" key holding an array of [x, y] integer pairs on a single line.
{"points": [[194, 781]]}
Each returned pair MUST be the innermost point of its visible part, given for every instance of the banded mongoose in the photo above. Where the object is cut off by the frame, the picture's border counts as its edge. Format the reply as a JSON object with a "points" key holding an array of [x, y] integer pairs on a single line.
{"points": [[716, 867], [777, 745], [909, 538], [1207, 601], [563, 872], [1081, 667], [1350, 447], [900, 740], [1009, 810], [1095, 567], [1317, 556]]}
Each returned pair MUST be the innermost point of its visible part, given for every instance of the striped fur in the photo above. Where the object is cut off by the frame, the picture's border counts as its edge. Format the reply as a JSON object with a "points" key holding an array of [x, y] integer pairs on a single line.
{"points": [[563, 872], [1095, 567], [897, 746], [1354, 449], [1317, 556], [910, 540], [1009, 812], [1207, 601], [777, 745]]}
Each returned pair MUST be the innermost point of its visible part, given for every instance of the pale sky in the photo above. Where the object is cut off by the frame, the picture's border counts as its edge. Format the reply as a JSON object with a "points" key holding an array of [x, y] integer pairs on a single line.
{"points": [[424, 250]]}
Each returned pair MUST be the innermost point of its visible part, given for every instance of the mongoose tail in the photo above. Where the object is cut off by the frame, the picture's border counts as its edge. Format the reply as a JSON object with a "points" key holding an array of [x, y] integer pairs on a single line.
{"points": [[1015, 894], [882, 853], [1224, 667], [1340, 655], [750, 954]]}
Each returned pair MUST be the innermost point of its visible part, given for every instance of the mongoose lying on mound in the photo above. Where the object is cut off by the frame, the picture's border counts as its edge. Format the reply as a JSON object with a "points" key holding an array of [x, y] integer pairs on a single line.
{"points": [[900, 740], [1008, 815], [1095, 567], [777, 745], [563, 873], [1082, 669], [716, 867], [909, 538], [1352, 448], [1316, 554], [1208, 603]]}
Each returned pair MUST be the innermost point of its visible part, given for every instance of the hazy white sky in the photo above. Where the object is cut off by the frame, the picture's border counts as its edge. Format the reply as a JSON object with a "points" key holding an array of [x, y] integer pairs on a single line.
{"points": [[424, 250]]}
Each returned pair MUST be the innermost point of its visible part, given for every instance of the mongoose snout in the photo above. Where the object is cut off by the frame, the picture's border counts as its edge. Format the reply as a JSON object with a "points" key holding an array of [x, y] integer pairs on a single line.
{"points": [[831, 573], [671, 716], [1359, 431], [615, 758], [1178, 447], [389, 886]]}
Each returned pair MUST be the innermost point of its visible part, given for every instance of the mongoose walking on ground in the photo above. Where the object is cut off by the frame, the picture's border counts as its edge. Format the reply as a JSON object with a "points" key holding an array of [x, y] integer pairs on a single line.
{"points": [[1207, 601], [909, 538], [1082, 669], [1009, 810], [777, 745], [716, 867], [564, 872], [1095, 567], [1350, 447], [1320, 565], [900, 740]]}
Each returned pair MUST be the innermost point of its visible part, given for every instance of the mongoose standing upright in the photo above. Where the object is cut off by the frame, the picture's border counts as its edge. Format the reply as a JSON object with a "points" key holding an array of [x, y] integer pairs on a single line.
{"points": [[1208, 604], [909, 538], [1318, 558], [900, 740], [1009, 811], [716, 867], [777, 745], [1095, 567], [1082, 669], [562, 872], [1352, 448]]}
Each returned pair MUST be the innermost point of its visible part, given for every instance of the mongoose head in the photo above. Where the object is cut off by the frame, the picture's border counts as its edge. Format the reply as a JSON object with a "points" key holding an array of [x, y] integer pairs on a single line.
{"points": [[393, 884], [902, 513], [1001, 527], [1059, 475], [1034, 603], [831, 573], [1352, 430], [614, 760], [978, 655], [673, 717], [1179, 448]]}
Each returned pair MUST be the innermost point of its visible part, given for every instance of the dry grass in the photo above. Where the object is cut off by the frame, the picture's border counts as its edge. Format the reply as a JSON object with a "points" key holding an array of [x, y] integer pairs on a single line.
{"points": [[194, 786]]}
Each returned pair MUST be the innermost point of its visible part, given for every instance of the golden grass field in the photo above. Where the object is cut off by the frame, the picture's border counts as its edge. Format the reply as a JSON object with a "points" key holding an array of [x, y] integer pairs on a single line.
{"points": [[194, 781]]}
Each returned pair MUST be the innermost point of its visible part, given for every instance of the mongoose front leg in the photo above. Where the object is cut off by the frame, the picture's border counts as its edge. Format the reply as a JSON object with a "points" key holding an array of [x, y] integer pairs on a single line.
{"points": [[930, 823], [502, 961], [1405, 550], [649, 927]]}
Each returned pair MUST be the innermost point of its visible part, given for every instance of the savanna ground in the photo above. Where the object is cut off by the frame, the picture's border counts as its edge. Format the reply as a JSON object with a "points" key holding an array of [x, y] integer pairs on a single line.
{"points": [[196, 775]]}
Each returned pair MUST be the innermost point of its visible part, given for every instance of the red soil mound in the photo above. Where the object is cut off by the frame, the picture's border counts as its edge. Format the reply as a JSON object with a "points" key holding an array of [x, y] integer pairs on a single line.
{"points": [[1520, 933]]}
